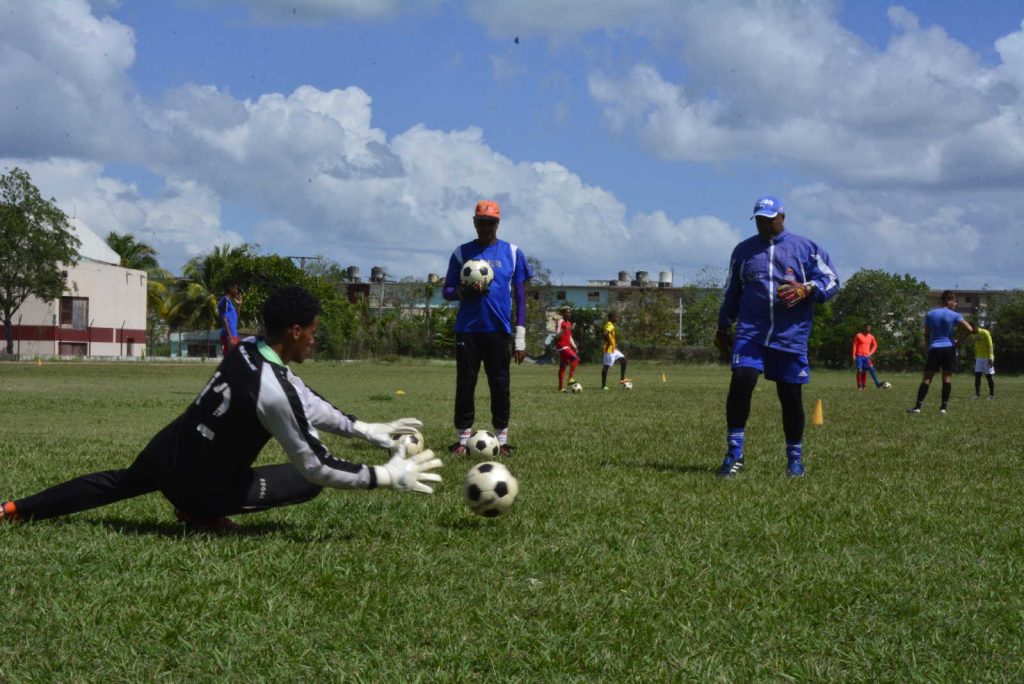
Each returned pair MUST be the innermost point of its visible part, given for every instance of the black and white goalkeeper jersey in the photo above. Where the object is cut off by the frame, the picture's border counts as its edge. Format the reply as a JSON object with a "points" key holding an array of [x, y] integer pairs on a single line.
{"points": [[247, 401]]}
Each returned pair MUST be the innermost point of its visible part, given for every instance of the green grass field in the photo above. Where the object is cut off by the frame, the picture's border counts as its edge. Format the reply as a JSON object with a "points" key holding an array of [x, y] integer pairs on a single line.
{"points": [[899, 557]]}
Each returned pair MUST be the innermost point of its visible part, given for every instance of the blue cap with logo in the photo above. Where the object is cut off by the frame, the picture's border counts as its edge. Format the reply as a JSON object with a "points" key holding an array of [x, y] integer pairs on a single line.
{"points": [[768, 206]]}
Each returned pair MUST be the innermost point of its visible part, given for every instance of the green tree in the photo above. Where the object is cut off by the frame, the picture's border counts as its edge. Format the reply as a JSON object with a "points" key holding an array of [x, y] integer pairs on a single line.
{"points": [[38, 247], [894, 306], [193, 301], [1008, 331], [143, 257], [134, 254], [700, 315], [538, 301], [649, 322]]}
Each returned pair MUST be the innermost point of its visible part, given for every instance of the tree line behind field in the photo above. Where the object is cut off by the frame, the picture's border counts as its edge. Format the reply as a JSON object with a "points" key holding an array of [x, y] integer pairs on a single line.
{"points": [[653, 324], [400, 321]]}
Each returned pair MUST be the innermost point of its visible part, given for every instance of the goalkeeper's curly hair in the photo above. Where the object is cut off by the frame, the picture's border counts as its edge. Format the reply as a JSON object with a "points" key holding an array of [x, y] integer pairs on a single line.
{"points": [[287, 306]]}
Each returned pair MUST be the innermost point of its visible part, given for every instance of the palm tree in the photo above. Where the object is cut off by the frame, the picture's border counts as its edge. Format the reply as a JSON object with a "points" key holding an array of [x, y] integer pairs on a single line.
{"points": [[142, 257], [193, 303], [134, 254]]}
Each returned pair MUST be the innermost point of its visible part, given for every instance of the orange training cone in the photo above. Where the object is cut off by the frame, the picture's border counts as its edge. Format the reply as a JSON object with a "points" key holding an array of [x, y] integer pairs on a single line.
{"points": [[817, 417]]}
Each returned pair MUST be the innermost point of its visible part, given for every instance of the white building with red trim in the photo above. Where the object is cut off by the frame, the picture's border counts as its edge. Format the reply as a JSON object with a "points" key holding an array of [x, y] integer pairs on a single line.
{"points": [[102, 311]]}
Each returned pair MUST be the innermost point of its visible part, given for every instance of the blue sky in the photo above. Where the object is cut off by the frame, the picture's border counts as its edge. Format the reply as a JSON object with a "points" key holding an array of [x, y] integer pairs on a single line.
{"points": [[617, 136]]}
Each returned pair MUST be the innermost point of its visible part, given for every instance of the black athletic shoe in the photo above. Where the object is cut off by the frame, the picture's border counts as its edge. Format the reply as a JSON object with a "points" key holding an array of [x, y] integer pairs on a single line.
{"points": [[505, 450], [457, 449]]}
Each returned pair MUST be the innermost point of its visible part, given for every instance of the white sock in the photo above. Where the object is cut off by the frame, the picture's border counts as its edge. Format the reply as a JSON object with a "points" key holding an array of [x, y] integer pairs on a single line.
{"points": [[464, 435], [503, 436]]}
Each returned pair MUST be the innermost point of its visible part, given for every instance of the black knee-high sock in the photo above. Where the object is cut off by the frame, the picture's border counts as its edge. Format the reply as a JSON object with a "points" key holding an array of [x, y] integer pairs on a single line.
{"points": [[622, 369], [737, 403], [604, 376], [791, 398], [991, 385], [922, 392], [947, 389], [977, 384]]}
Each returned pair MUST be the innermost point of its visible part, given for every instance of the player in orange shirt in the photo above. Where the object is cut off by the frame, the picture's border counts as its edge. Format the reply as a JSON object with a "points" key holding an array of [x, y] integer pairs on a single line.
{"points": [[864, 345]]}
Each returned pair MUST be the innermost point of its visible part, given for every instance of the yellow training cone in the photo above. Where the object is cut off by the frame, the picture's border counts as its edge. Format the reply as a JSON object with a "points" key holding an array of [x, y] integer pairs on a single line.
{"points": [[817, 417], [663, 378], [39, 361], [400, 393]]}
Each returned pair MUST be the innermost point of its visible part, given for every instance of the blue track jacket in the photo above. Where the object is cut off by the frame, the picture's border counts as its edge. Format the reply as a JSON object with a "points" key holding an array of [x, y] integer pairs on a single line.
{"points": [[751, 300]]}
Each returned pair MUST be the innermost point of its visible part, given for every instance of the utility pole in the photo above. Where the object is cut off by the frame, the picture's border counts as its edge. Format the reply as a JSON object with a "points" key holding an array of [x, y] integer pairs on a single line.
{"points": [[303, 259]]}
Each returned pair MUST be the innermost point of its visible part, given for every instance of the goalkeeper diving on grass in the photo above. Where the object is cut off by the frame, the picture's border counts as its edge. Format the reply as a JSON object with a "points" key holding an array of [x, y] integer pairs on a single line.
{"points": [[203, 461]]}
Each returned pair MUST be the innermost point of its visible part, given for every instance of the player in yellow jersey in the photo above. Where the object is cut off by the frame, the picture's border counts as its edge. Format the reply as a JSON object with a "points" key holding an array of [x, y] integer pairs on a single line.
{"points": [[984, 361], [612, 353]]}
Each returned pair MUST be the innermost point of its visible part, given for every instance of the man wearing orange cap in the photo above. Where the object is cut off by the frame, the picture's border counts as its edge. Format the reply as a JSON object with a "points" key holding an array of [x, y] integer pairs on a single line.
{"points": [[484, 323]]}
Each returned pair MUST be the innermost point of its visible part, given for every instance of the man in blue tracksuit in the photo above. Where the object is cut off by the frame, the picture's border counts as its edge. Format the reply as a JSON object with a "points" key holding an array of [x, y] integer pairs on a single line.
{"points": [[774, 279]]}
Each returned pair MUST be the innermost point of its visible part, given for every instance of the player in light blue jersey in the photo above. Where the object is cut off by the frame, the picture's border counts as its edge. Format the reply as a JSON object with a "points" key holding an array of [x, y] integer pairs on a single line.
{"points": [[484, 323], [941, 332], [775, 278]]}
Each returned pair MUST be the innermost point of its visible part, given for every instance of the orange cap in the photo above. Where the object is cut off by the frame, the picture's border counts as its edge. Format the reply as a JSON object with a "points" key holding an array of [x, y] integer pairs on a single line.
{"points": [[487, 209]]}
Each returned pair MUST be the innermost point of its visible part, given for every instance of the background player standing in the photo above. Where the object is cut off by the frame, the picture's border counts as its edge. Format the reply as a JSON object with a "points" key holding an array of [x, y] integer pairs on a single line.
{"points": [[774, 279], [612, 353], [984, 361], [483, 324], [940, 328], [227, 316], [568, 352], [864, 345]]}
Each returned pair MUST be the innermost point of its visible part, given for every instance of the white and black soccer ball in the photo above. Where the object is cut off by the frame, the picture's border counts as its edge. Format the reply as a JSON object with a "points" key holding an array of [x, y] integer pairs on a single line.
{"points": [[576, 388], [483, 444], [627, 385], [414, 443], [490, 489], [476, 271]]}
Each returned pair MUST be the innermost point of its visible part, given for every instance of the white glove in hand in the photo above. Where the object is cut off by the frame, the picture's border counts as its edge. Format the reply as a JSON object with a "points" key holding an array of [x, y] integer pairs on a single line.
{"points": [[405, 474], [520, 344], [383, 434]]}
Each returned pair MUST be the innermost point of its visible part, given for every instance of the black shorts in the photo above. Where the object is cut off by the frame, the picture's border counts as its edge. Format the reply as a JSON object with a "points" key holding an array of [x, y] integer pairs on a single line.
{"points": [[941, 357]]}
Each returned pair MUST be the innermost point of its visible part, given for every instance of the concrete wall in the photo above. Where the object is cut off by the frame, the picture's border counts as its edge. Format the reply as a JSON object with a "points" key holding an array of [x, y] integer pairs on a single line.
{"points": [[113, 324]]}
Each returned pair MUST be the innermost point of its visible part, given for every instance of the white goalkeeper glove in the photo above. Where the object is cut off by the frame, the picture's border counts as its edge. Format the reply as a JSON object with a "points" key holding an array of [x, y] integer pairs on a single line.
{"points": [[520, 343], [405, 474], [385, 434]]}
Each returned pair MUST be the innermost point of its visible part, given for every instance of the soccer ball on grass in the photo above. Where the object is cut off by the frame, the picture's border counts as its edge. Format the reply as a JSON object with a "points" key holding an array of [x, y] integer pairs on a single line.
{"points": [[576, 388], [490, 489], [483, 444], [627, 385]]}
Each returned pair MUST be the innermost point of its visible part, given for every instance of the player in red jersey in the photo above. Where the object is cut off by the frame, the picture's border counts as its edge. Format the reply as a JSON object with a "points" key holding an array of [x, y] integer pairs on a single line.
{"points": [[568, 352]]}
